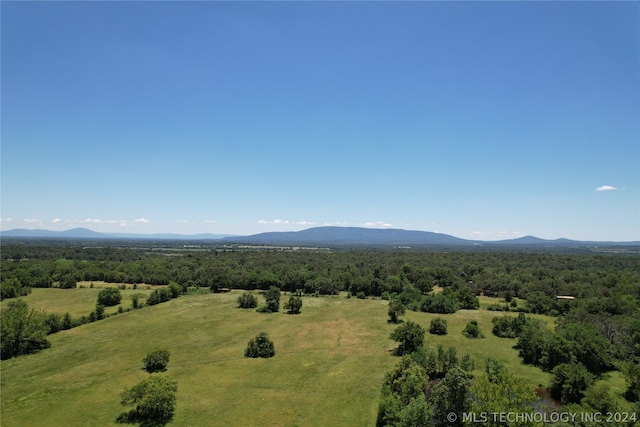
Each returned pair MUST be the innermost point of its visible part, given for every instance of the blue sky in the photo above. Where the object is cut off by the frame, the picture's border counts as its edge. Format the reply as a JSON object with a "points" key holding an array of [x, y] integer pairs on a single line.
{"points": [[484, 120]]}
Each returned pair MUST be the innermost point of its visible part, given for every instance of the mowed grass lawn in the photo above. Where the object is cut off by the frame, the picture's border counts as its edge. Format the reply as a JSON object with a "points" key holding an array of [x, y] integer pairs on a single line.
{"points": [[328, 369]]}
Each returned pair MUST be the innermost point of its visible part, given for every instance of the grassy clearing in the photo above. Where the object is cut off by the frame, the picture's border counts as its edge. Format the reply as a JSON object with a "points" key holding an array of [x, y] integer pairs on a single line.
{"points": [[77, 302], [328, 369]]}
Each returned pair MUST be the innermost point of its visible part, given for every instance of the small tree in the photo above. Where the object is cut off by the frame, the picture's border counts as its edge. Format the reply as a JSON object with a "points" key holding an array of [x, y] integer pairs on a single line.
{"points": [[438, 326], [247, 300], [396, 309], [109, 297], [260, 346], [472, 330], [156, 361], [294, 305], [410, 335], [154, 399], [272, 299]]}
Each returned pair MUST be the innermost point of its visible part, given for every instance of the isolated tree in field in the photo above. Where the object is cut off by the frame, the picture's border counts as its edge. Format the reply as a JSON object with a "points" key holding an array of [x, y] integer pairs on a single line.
{"points": [[410, 335], [438, 326], [396, 309], [156, 361], [67, 282], [109, 297], [272, 299], [260, 346], [294, 305], [247, 300], [22, 330], [154, 400], [472, 330]]}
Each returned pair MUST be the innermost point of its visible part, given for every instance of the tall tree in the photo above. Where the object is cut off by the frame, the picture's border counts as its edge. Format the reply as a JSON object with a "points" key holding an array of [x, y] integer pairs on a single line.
{"points": [[22, 330]]}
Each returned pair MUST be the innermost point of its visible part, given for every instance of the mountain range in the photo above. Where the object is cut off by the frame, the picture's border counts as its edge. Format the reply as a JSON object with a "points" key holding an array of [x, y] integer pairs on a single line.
{"points": [[314, 236]]}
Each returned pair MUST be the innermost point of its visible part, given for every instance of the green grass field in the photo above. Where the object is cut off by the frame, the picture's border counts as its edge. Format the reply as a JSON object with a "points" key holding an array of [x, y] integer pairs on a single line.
{"points": [[328, 369]]}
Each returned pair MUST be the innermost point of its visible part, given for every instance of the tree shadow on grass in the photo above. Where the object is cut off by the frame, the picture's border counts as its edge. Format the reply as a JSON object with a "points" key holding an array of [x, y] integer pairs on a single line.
{"points": [[132, 417]]}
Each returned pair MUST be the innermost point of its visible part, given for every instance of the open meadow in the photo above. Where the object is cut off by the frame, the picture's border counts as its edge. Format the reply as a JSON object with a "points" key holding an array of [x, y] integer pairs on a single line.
{"points": [[328, 369]]}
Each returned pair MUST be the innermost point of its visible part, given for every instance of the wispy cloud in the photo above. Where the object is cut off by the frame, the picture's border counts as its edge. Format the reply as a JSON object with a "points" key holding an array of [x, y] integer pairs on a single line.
{"points": [[284, 222], [376, 224], [606, 188]]}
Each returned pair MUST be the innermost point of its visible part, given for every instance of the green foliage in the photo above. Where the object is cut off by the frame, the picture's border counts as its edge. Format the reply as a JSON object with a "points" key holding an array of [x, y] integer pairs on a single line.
{"points": [[159, 296], [260, 346], [499, 391], [437, 363], [67, 282], [109, 297], [570, 381], [396, 309], [410, 335], [272, 300], [247, 300], [154, 399], [440, 303], [509, 326], [438, 326], [12, 288], [156, 361], [472, 330], [599, 399], [451, 395], [22, 330], [403, 400], [631, 372], [294, 305]]}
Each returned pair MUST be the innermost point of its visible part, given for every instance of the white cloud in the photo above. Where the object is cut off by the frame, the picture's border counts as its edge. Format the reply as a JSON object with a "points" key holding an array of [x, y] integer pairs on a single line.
{"points": [[210, 221], [6, 220], [376, 224], [606, 188], [285, 222], [55, 221], [31, 221], [141, 221]]}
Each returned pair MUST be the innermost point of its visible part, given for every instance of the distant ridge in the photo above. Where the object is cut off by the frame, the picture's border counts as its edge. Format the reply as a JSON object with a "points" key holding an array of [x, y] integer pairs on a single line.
{"points": [[84, 233], [319, 236]]}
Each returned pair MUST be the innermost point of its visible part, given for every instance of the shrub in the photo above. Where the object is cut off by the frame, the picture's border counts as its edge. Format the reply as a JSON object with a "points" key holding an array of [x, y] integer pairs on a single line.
{"points": [[294, 305], [109, 297], [472, 330], [156, 361], [260, 346], [154, 399], [272, 298], [570, 381], [438, 326], [247, 300], [158, 296], [23, 330]]}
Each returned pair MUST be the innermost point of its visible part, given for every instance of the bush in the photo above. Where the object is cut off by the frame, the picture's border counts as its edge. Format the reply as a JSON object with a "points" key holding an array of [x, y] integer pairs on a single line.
{"points": [[472, 330], [109, 297], [156, 361], [272, 298], [294, 305], [260, 346], [247, 300], [438, 326], [158, 296], [154, 399]]}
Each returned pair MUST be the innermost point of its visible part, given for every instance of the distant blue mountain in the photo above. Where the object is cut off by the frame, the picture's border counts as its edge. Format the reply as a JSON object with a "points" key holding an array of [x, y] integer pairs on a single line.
{"points": [[83, 233], [319, 236], [352, 236]]}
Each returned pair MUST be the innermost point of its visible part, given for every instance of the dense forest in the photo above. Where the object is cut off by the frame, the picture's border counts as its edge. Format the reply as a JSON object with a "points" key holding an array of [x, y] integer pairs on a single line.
{"points": [[594, 297]]}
